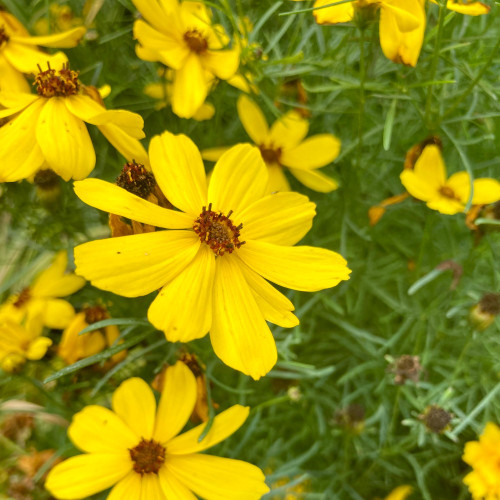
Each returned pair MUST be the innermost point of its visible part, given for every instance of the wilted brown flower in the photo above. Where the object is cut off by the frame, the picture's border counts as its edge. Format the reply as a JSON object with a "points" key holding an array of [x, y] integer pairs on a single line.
{"points": [[436, 419], [406, 367]]}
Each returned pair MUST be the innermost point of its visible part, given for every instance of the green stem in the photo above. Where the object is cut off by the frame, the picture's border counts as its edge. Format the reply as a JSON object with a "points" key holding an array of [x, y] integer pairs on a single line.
{"points": [[362, 97]]}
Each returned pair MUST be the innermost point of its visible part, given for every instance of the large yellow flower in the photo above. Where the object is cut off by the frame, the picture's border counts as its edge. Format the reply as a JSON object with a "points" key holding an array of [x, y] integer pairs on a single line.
{"points": [[19, 53], [484, 457], [212, 266], [49, 130], [284, 145], [181, 36], [136, 448], [428, 182], [42, 298]]}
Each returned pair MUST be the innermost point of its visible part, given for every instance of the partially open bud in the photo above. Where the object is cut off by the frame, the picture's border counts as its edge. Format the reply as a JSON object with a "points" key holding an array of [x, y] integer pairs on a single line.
{"points": [[415, 151], [484, 312], [436, 419]]}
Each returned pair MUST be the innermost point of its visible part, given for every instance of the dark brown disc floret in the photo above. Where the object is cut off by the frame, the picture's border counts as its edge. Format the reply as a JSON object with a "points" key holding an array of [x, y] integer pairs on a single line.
{"points": [[270, 154], [52, 83], [148, 457], [196, 41], [4, 38], [136, 179], [23, 297]]}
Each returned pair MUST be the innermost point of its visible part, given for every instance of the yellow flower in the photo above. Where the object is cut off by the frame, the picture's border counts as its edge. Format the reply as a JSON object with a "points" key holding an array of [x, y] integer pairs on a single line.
{"points": [[62, 19], [227, 239], [284, 145], [484, 458], [469, 7], [19, 53], [136, 447], [180, 35], [42, 296], [21, 341], [428, 182], [399, 493], [49, 129]]}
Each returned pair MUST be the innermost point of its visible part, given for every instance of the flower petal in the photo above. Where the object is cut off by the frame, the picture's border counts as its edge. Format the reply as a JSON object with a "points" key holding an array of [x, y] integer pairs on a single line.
{"points": [[403, 14], [239, 334], [289, 130], [129, 147], [223, 425], [213, 154], [138, 264], [14, 101], [38, 347], [128, 488], [110, 198], [172, 488], [253, 120], [63, 40], [486, 190], [239, 179], [222, 63], [162, 14], [314, 152], [469, 8], [334, 14], [217, 478], [84, 475], [176, 403], [26, 59], [57, 313], [277, 179], [300, 268], [179, 171], [11, 79], [444, 205], [315, 180], [281, 218], [135, 403], [183, 308]]}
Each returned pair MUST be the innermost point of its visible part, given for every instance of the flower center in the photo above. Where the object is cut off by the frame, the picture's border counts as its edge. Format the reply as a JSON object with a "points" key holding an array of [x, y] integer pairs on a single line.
{"points": [[148, 456], [270, 155], [218, 231], [447, 192], [196, 41], [490, 303], [95, 314], [4, 38], [62, 84], [22, 298], [136, 179]]}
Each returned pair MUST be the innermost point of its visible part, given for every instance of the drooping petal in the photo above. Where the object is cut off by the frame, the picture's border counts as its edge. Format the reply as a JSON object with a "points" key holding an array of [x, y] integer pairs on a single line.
{"points": [[97, 429], [222, 63], [64, 141], [239, 179], [240, 335], [289, 130], [14, 101], [332, 15], [110, 198], [315, 180], [444, 205], [26, 59], [176, 403], [277, 182], [217, 478], [57, 313], [300, 268], [316, 151], [281, 218], [138, 264], [129, 147], [135, 403], [63, 40], [172, 488], [223, 425], [179, 171], [469, 8], [84, 475], [38, 347], [183, 308], [253, 120], [128, 488]]}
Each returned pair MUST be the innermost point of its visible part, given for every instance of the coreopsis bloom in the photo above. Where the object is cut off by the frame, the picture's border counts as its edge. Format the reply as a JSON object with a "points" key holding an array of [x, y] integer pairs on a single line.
{"points": [[19, 52], [136, 447], [48, 129], [428, 182], [212, 264], [484, 458], [43, 297], [285, 145], [181, 36], [469, 7]]}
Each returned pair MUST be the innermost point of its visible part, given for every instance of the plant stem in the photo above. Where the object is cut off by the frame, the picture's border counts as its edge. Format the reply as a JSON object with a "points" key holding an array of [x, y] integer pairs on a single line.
{"points": [[362, 97]]}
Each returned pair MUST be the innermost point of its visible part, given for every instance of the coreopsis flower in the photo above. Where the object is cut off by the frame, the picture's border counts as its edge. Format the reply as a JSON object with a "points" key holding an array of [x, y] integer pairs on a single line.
{"points": [[19, 52], [181, 36], [484, 458], [222, 245], [428, 182], [284, 146], [43, 297], [469, 7], [48, 129], [136, 447]]}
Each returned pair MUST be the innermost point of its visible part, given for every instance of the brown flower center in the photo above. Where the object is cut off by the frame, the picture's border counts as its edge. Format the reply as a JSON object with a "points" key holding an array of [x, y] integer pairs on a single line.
{"points": [[196, 41], [148, 456], [52, 83], [447, 192], [490, 303], [218, 231], [436, 419], [4, 38], [46, 179], [136, 179], [22, 298], [95, 314], [270, 155]]}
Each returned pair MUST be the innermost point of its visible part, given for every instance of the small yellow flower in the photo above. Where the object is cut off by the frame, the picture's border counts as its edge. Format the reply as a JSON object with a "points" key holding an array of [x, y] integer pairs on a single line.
{"points": [[181, 36], [484, 458], [285, 145], [428, 182], [42, 297], [399, 493], [469, 7], [62, 18], [136, 448], [19, 53], [227, 239], [48, 130]]}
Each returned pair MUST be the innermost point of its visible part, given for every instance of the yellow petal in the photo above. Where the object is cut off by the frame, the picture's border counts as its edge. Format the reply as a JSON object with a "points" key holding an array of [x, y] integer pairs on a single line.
{"points": [[223, 425], [176, 403], [179, 171], [333, 15], [172, 488], [222, 63], [216, 478], [96, 429], [213, 154], [183, 308], [63, 40], [486, 190], [277, 179], [135, 403], [128, 488], [253, 120], [239, 334], [84, 475], [289, 130], [162, 14], [57, 313], [38, 347], [239, 179], [64, 141], [129, 147], [315, 180], [471, 9], [11, 79], [14, 101], [403, 13], [138, 264], [205, 112], [399, 493], [281, 218], [110, 198], [151, 488], [301, 268], [444, 205], [316, 151], [27, 59]]}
